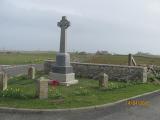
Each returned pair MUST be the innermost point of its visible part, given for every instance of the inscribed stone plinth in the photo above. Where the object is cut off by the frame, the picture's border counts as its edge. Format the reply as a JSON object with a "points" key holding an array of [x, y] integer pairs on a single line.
{"points": [[62, 64], [64, 79]]}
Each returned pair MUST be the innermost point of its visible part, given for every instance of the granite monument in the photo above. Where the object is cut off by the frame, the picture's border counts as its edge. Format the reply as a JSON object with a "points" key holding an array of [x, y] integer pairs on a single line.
{"points": [[62, 70]]}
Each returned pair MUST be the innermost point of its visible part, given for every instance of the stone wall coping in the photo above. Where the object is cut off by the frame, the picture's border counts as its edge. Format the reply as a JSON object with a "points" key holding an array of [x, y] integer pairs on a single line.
{"points": [[14, 66], [110, 65], [95, 64]]}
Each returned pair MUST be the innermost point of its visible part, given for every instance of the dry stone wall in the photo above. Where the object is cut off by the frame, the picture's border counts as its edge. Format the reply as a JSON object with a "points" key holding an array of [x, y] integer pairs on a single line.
{"points": [[20, 69], [115, 72], [88, 70]]}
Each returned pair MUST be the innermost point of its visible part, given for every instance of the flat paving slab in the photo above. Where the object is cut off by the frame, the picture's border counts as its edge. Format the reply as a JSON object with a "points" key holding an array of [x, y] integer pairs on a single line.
{"points": [[119, 112]]}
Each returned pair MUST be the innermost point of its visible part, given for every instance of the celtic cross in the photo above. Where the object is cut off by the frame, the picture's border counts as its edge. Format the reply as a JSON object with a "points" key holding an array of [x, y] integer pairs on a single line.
{"points": [[63, 24]]}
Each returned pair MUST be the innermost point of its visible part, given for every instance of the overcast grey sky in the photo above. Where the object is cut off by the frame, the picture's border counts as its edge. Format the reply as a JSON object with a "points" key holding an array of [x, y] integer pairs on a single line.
{"points": [[120, 26]]}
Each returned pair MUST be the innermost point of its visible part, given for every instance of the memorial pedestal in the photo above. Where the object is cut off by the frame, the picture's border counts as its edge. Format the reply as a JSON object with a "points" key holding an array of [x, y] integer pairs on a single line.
{"points": [[64, 79]]}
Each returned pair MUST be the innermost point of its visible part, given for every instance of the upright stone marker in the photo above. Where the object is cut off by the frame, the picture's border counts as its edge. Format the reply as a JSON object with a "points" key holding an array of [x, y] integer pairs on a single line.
{"points": [[42, 88], [103, 80], [31, 72], [62, 70], [3, 81]]}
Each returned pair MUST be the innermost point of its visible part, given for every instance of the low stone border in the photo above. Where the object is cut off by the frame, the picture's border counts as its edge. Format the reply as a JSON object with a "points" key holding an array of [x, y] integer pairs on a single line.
{"points": [[115, 106], [115, 72]]}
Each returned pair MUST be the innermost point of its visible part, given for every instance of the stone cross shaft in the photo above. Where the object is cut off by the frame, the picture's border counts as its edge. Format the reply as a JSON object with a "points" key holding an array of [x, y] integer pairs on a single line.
{"points": [[63, 24]]}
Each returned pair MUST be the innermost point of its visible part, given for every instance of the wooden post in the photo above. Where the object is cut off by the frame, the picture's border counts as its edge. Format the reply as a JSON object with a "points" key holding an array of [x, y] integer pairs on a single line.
{"points": [[130, 60]]}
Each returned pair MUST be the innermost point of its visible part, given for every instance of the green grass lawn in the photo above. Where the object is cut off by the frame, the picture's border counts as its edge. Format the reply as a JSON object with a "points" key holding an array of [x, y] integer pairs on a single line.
{"points": [[86, 93], [27, 58], [24, 58]]}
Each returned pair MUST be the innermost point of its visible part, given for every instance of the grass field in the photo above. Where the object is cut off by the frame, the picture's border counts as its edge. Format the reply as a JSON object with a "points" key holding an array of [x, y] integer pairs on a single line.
{"points": [[27, 58], [24, 58], [122, 59], [86, 93]]}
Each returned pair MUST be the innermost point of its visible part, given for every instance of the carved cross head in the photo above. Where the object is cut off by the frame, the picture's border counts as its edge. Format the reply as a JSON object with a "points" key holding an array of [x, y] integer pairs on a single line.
{"points": [[64, 23]]}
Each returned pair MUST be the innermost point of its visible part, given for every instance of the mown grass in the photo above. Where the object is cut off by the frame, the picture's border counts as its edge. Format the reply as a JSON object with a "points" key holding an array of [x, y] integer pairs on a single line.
{"points": [[86, 93]]}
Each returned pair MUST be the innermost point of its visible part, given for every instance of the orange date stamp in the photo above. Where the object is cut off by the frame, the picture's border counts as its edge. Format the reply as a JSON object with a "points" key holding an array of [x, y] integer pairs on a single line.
{"points": [[138, 103]]}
